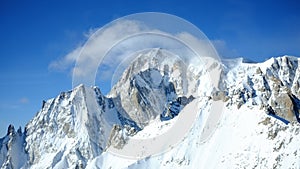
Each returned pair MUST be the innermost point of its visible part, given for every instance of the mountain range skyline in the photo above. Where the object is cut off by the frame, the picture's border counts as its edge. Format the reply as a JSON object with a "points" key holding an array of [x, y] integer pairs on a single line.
{"points": [[36, 34], [257, 126]]}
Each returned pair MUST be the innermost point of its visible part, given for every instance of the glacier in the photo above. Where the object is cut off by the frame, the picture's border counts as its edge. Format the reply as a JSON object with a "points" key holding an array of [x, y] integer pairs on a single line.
{"points": [[83, 128]]}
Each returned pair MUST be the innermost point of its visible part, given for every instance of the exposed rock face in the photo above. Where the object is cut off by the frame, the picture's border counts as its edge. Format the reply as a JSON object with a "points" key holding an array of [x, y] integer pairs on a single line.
{"points": [[220, 95], [149, 92], [117, 138], [150, 83], [174, 107], [283, 106]]}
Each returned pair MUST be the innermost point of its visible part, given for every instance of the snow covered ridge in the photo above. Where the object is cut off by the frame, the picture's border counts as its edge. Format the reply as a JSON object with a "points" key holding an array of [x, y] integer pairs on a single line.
{"points": [[272, 85], [259, 127]]}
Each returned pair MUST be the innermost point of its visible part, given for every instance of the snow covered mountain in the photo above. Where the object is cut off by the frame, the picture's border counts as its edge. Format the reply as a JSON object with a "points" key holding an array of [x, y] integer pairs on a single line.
{"points": [[259, 126]]}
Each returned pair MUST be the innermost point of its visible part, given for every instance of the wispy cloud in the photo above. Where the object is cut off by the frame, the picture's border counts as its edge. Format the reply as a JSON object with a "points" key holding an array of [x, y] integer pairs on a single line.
{"points": [[102, 40], [99, 42], [223, 49], [66, 62], [24, 100]]}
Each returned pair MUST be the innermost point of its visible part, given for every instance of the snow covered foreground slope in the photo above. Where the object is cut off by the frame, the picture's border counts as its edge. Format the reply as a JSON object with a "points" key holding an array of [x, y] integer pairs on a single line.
{"points": [[259, 126]]}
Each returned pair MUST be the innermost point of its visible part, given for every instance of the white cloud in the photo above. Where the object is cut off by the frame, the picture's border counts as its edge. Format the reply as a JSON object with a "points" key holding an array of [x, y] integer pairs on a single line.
{"points": [[101, 40], [90, 54]]}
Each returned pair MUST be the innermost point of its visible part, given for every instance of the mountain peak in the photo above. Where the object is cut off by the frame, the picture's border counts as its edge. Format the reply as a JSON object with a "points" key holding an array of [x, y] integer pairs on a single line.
{"points": [[11, 130]]}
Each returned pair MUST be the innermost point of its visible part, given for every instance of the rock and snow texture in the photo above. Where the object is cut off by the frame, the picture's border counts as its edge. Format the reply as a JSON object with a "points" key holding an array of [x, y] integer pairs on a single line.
{"points": [[259, 126], [272, 85], [12, 153]]}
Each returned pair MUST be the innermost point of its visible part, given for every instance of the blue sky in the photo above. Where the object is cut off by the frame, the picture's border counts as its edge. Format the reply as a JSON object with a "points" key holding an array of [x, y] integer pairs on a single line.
{"points": [[36, 33]]}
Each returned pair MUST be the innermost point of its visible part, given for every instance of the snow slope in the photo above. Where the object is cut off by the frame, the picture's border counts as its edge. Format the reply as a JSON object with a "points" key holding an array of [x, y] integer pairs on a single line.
{"points": [[253, 113]]}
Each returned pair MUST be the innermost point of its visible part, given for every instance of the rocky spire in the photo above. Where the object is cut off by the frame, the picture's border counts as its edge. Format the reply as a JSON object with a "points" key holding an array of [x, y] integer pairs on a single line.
{"points": [[11, 130]]}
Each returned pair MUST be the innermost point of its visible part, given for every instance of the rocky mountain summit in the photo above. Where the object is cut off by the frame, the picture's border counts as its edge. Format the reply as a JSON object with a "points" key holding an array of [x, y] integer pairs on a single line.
{"points": [[273, 85], [259, 126]]}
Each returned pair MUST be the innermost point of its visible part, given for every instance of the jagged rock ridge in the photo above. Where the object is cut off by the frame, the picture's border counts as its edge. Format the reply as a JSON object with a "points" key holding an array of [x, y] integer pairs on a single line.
{"points": [[74, 129]]}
